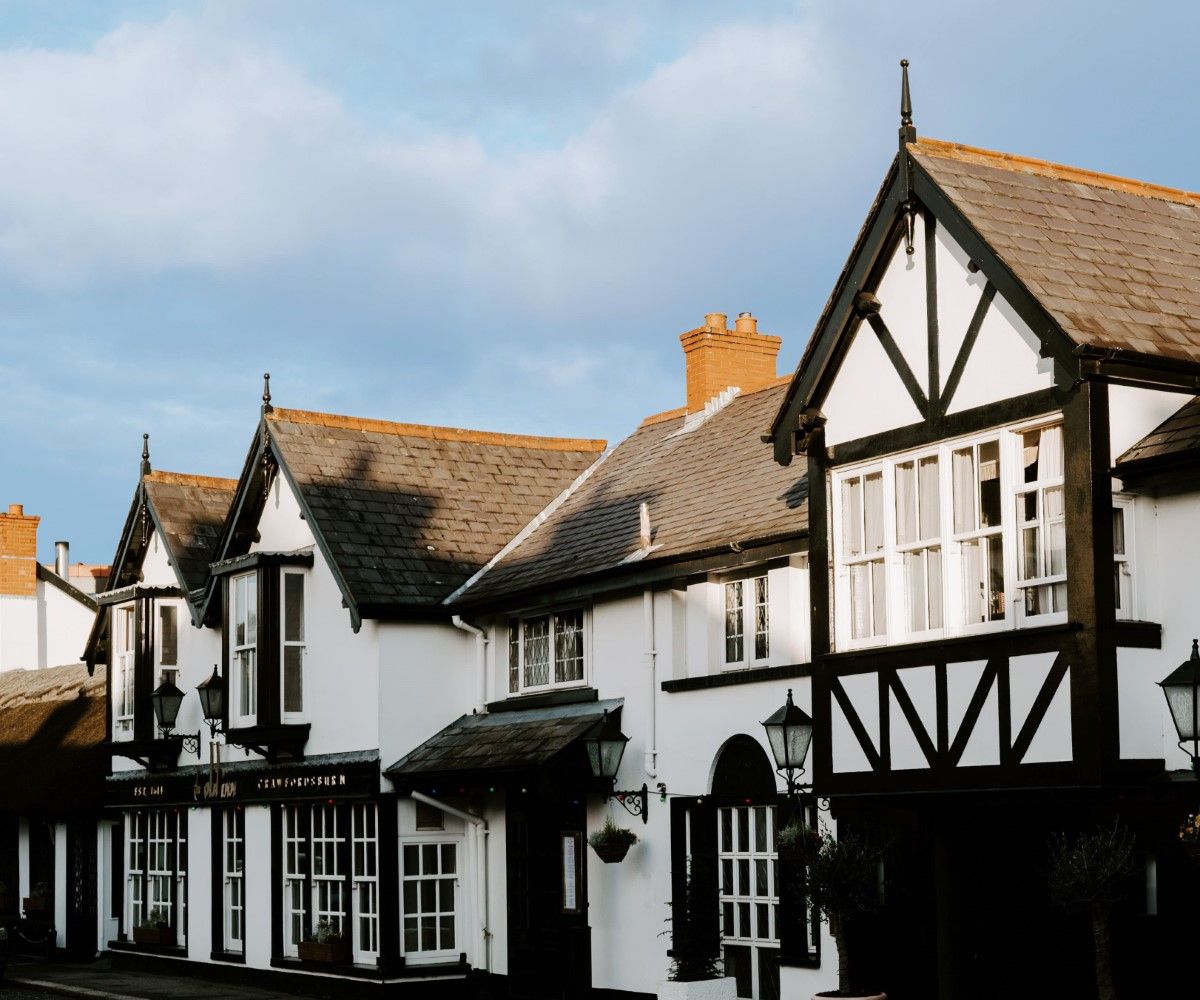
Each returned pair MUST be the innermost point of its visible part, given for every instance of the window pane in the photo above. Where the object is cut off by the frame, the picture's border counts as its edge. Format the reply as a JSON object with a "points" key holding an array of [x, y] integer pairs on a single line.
{"points": [[873, 511], [852, 511], [168, 636], [1118, 515], [293, 678], [537, 651], [743, 829], [914, 582], [429, 859], [568, 646], [762, 646], [448, 865], [929, 498], [760, 828], [726, 829], [410, 934], [860, 601], [878, 598], [933, 569], [447, 932], [989, 484], [1056, 531], [906, 503], [962, 464], [293, 607], [734, 623], [514, 656]]}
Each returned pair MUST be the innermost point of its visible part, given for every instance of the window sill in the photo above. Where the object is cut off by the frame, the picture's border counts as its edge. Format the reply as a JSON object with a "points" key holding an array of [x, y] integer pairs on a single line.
{"points": [[276, 743], [545, 699], [728, 678]]}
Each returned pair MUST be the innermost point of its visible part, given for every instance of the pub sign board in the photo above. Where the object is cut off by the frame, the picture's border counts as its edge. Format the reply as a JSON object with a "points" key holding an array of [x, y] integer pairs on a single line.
{"points": [[241, 784]]}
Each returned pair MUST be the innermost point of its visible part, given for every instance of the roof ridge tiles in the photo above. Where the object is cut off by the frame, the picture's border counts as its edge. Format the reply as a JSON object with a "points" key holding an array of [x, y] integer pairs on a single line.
{"points": [[188, 479], [462, 434], [1056, 171]]}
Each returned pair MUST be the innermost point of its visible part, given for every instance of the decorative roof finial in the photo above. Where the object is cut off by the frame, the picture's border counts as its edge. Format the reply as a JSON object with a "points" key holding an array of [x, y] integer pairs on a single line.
{"points": [[145, 454], [905, 96], [266, 404], [908, 134]]}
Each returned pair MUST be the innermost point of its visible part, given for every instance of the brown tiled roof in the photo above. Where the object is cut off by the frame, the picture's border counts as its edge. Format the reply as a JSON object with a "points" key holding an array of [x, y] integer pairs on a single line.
{"points": [[1177, 435], [408, 512], [706, 488], [191, 510], [502, 741], [52, 725], [1116, 262]]}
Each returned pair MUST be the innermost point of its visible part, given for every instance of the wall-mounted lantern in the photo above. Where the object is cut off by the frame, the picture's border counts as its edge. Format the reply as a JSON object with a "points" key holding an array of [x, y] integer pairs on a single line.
{"points": [[605, 747], [1182, 690], [212, 700], [166, 699], [789, 732]]}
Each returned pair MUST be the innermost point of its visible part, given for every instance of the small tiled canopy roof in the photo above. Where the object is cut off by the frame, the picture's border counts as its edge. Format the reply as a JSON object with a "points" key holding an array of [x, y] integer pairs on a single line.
{"points": [[1177, 436], [52, 727], [1116, 262], [408, 513], [707, 489], [506, 741], [191, 511]]}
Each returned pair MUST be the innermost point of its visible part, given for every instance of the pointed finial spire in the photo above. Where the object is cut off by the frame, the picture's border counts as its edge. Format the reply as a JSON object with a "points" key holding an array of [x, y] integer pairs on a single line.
{"points": [[905, 96], [145, 454], [266, 402], [1196, 649]]}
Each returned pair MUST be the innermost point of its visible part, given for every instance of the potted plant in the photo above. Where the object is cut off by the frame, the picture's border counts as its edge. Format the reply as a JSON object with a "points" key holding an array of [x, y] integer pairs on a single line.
{"points": [[156, 929], [1189, 837], [696, 972], [39, 904], [841, 880], [326, 945], [611, 842], [1090, 872]]}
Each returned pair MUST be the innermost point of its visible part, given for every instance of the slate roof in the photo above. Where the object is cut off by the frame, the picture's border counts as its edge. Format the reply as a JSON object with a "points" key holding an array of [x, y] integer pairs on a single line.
{"points": [[52, 727], [1178, 435], [191, 511], [408, 513], [1116, 262], [706, 488], [503, 741]]}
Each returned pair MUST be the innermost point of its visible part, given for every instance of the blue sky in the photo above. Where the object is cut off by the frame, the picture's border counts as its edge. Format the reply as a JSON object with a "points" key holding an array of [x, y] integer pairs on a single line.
{"points": [[479, 214]]}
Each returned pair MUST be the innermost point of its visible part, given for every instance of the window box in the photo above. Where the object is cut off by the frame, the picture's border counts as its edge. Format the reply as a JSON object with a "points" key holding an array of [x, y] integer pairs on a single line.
{"points": [[329, 952], [158, 936]]}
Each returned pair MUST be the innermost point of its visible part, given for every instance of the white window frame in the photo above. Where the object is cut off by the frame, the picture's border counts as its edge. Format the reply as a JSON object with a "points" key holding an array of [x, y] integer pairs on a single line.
{"points": [[238, 715], [1040, 487], [233, 861], [364, 865], [295, 904], [737, 884], [159, 633], [136, 859], [1127, 561], [438, 841], [519, 623], [285, 644], [953, 610], [124, 645], [748, 589]]}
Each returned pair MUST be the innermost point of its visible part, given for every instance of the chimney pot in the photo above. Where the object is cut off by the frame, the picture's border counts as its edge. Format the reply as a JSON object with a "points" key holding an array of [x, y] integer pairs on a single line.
{"points": [[62, 561], [16, 510], [716, 321], [746, 323]]}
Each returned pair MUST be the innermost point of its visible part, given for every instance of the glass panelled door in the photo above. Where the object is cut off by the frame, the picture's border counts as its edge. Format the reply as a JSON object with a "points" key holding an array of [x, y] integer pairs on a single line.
{"points": [[749, 888]]}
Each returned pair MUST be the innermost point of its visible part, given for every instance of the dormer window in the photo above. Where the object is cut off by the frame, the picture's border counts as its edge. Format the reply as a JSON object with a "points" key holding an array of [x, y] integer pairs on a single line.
{"points": [[546, 651], [747, 622]]}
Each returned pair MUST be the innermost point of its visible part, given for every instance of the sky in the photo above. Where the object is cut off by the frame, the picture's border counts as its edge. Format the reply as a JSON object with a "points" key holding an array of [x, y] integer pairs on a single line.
{"points": [[486, 214]]}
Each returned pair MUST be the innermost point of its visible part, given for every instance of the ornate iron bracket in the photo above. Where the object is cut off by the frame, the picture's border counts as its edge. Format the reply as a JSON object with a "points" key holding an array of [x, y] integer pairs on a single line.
{"points": [[636, 803]]}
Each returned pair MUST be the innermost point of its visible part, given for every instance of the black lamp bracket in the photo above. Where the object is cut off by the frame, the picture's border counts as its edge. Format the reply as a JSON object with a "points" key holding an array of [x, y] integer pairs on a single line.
{"points": [[636, 803], [191, 744]]}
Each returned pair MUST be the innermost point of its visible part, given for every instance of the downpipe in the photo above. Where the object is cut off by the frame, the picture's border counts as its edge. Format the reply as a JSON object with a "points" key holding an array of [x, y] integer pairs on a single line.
{"points": [[651, 762], [481, 643]]}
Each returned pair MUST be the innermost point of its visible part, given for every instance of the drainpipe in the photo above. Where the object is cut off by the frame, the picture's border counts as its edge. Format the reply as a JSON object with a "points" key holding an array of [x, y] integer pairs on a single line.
{"points": [[481, 826], [481, 643], [652, 657]]}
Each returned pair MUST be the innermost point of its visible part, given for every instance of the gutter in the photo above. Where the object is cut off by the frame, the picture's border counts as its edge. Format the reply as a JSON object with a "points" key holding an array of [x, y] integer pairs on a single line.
{"points": [[481, 644]]}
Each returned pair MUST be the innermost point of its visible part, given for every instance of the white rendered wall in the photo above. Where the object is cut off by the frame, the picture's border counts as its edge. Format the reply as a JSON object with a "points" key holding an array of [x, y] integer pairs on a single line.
{"points": [[60, 884], [18, 632], [200, 881], [63, 626], [257, 885], [1134, 413]]}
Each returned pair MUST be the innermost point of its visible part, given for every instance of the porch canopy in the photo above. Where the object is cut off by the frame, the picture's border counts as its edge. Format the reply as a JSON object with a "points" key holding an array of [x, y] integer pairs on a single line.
{"points": [[508, 746]]}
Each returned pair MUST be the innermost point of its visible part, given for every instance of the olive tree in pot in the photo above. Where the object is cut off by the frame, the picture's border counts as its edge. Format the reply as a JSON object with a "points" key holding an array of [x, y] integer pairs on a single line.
{"points": [[696, 972], [1090, 872], [841, 880]]}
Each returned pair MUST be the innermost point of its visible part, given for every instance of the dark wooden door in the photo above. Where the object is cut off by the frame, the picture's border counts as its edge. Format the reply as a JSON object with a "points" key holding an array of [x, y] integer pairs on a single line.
{"points": [[81, 889], [549, 948]]}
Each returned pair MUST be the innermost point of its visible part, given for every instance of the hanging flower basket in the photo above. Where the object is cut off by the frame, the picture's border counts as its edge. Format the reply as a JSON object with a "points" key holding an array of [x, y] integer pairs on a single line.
{"points": [[611, 842], [1189, 838]]}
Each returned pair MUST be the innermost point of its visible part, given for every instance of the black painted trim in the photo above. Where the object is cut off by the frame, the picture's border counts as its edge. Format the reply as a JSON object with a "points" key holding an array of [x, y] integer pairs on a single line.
{"points": [[1040, 402], [910, 714], [1041, 704], [896, 357], [966, 728], [968, 344], [931, 313], [731, 678], [856, 724], [569, 696], [216, 882], [1010, 642], [1138, 635], [256, 560]]}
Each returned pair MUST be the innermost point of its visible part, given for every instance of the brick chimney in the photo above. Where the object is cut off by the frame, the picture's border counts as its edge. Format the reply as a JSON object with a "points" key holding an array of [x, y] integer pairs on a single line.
{"points": [[718, 357], [18, 552]]}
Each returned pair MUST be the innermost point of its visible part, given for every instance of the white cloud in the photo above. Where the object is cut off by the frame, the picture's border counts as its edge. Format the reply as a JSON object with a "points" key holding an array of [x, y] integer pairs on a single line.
{"points": [[171, 146]]}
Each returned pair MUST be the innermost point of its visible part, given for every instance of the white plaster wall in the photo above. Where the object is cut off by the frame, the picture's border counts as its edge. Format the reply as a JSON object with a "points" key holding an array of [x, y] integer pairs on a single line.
{"points": [[23, 885], [18, 632], [60, 884], [199, 880], [157, 570], [1133, 413], [867, 396], [258, 885], [63, 626], [1004, 362], [958, 297], [901, 293]]}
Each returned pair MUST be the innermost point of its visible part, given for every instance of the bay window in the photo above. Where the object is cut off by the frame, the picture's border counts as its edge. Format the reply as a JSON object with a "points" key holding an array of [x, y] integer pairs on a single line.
{"points": [[124, 646], [962, 536], [747, 622], [293, 644], [546, 651], [244, 648]]}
